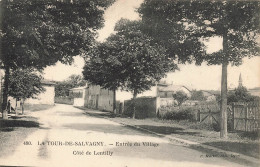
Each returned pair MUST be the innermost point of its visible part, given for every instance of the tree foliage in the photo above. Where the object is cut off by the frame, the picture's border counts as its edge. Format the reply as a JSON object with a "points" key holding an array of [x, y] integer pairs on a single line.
{"points": [[144, 61], [104, 68], [177, 23], [25, 83], [197, 95], [40, 33], [165, 22], [63, 88], [180, 97], [240, 94], [128, 59], [236, 22]]}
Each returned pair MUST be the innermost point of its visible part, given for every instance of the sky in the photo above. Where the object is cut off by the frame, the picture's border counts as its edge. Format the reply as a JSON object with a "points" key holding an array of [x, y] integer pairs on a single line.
{"points": [[195, 77]]}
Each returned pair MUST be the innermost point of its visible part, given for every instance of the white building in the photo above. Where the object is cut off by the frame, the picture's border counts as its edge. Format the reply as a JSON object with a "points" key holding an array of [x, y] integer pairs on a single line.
{"points": [[46, 97], [93, 96]]}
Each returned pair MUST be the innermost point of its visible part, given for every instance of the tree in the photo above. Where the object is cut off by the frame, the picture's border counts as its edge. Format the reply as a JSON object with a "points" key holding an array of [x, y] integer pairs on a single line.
{"points": [[180, 97], [76, 80], [62, 88], [104, 69], [197, 95], [130, 60], [24, 83], [237, 22], [40, 33], [240, 94]]}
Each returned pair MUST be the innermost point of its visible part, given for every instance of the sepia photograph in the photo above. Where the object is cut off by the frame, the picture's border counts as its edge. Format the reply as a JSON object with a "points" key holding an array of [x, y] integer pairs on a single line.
{"points": [[130, 83]]}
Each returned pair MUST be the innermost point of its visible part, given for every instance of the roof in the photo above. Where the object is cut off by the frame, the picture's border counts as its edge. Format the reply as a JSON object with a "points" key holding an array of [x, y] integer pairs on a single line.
{"points": [[47, 82], [256, 88], [162, 84], [78, 88], [172, 88], [213, 92]]}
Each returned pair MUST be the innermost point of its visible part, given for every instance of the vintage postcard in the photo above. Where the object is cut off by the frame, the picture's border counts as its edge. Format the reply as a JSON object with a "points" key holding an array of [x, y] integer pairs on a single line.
{"points": [[129, 83]]}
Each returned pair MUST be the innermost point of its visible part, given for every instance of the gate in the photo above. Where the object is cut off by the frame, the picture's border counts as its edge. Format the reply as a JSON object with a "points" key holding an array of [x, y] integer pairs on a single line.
{"points": [[209, 114]]}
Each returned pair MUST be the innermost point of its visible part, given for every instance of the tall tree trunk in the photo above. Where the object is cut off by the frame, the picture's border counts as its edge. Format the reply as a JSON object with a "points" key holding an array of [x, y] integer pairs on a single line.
{"points": [[5, 92], [223, 105], [134, 98], [114, 101], [1, 90], [15, 106], [22, 105]]}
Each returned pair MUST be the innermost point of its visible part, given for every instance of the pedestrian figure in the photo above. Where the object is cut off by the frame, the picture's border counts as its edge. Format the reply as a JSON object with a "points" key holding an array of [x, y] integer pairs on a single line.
{"points": [[9, 106]]}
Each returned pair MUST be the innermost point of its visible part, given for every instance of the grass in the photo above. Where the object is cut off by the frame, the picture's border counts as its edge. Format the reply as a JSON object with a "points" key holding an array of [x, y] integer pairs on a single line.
{"points": [[246, 143]]}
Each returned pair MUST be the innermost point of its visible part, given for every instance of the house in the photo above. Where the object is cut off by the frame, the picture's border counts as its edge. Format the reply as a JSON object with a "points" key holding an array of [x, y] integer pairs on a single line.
{"points": [[210, 95], [93, 96], [165, 93], [78, 95], [170, 90], [46, 97]]}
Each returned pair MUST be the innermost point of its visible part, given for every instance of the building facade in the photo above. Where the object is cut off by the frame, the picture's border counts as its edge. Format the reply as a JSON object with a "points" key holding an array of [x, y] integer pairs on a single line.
{"points": [[46, 97], [93, 96]]}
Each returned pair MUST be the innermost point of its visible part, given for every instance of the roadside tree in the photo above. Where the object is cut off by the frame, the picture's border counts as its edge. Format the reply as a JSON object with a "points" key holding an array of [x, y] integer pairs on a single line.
{"points": [[130, 60], [40, 33], [105, 69], [24, 83], [236, 22]]}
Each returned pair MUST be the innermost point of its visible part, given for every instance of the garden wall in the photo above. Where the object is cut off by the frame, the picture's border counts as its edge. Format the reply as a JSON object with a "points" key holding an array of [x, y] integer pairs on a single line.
{"points": [[145, 107], [63, 100]]}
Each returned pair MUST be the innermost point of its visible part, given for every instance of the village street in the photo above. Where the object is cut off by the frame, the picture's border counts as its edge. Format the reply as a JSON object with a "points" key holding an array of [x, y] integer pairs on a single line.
{"points": [[69, 137]]}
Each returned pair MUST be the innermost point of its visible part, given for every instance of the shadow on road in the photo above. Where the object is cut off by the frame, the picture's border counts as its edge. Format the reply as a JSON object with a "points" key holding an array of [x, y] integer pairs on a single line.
{"points": [[8, 125], [107, 128]]}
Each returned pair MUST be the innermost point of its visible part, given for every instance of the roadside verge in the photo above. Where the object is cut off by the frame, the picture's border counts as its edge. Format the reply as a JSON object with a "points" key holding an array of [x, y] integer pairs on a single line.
{"points": [[171, 133]]}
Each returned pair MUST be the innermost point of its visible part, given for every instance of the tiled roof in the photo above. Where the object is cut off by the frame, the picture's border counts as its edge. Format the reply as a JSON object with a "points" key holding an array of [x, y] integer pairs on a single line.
{"points": [[172, 88], [48, 82]]}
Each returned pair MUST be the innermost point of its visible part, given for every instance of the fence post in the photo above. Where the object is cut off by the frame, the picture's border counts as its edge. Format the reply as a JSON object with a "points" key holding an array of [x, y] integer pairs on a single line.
{"points": [[210, 115], [246, 117], [198, 115], [233, 116]]}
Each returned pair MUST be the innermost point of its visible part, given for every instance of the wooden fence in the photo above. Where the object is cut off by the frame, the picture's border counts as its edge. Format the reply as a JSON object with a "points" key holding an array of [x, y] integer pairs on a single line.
{"points": [[245, 116], [241, 116]]}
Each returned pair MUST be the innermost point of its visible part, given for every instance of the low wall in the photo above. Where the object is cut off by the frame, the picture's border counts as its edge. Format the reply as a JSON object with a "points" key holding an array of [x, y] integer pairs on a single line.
{"points": [[63, 100], [145, 107]]}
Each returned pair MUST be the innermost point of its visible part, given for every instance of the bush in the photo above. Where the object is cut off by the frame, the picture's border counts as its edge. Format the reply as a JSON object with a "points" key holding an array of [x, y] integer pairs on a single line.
{"points": [[181, 114]]}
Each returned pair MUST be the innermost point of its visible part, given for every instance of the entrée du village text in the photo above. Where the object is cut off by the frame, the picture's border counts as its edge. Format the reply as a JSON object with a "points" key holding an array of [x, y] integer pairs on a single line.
{"points": [[95, 144]]}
